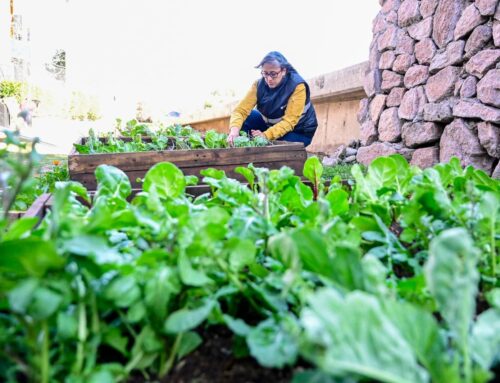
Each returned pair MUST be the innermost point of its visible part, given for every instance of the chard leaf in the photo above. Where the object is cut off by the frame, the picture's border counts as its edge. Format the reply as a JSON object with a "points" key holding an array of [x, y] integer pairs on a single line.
{"points": [[339, 201], [238, 326], [111, 182], [29, 256], [123, 291], [421, 331], [241, 253], [353, 335], [189, 275], [486, 338], [313, 170], [452, 279], [166, 178], [187, 319], [189, 342], [247, 173], [19, 228], [272, 345]]}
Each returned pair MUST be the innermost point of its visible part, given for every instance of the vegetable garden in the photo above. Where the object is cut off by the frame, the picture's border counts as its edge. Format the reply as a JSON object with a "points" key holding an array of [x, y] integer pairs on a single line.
{"points": [[392, 278]]}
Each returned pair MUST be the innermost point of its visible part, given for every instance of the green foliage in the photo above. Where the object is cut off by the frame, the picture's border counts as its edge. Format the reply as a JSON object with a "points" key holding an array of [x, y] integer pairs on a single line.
{"points": [[376, 281], [143, 137], [11, 89]]}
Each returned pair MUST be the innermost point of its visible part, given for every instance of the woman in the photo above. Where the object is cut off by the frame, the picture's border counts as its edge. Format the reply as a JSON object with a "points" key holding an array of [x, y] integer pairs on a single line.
{"points": [[283, 105]]}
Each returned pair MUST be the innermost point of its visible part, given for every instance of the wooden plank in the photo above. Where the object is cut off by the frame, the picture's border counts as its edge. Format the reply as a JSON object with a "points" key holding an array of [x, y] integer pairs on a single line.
{"points": [[88, 179], [13, 215], [186, 158], [37, 209]]}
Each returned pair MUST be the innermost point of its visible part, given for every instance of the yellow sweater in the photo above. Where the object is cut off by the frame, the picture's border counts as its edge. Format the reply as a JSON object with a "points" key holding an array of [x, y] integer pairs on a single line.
{"points": [[293, 111]]}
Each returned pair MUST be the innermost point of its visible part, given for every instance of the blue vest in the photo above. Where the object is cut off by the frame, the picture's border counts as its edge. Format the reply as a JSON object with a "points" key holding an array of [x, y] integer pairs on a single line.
{"points": [[271, 103]]}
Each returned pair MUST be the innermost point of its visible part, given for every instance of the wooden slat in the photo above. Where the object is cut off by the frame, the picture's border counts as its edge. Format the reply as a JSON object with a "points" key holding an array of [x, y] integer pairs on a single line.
{"points": [[186, 158], [37, 209], [89, 181]]}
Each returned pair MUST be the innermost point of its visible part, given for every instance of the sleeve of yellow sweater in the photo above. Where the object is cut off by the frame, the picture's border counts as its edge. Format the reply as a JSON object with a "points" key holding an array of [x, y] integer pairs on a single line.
{"points": [[242, 111], [293, 111]]}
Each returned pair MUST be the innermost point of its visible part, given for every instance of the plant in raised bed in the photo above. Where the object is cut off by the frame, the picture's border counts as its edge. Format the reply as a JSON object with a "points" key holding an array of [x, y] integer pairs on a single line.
{"points": [[309, 276], [160, 141]]}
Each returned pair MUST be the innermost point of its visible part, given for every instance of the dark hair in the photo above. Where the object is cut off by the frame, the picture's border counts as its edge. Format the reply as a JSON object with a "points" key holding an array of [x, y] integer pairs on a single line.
{"points": [[275, 56]]}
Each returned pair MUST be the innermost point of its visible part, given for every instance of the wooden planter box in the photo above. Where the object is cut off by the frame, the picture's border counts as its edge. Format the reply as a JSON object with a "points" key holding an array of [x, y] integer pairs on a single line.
{"points": [[37, 209], [135, 165]]}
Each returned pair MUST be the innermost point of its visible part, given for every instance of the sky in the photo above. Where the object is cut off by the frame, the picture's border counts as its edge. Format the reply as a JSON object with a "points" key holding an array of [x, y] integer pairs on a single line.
{"points": [[173, 53]]}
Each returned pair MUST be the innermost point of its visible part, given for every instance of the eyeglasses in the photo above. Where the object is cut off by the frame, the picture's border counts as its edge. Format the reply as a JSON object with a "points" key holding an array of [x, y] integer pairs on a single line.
{"points": [[273, 75]]}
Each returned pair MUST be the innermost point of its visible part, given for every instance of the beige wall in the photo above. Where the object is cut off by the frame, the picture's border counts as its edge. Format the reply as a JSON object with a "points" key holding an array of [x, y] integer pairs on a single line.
{"points": [[335, 96]]}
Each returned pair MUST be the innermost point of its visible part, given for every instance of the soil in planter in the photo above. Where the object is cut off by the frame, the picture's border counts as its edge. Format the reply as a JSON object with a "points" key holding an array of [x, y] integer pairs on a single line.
{"points": [[214, 362]]}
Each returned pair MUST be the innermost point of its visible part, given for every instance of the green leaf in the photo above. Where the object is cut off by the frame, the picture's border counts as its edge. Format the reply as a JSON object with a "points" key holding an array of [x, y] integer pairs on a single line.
{"points": [[493, 298], [306, 244], [20, 227], [189, 342], [191, 180], [241, 253], [452, 279], [93, 246], [111, 181], [117, 340], [159, 288], [238, 326], [382, 172], [148, 341], [31, 256], [314, 376], [101, 377], [123, 291], [339, 201], [247, 173], [189, 275], [213, 173], [346, 267], [272, 345], [21, 296], [78, 189], [313, 170], [374, 276], [353, 335], [187, 319], [44, 304], [421, 331], [67, 326], [486, 338], [136, 313], [167, 178]]}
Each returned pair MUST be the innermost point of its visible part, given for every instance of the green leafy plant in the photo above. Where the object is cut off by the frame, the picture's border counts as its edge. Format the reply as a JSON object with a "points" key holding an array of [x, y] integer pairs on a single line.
{"points": [[392, 278]]}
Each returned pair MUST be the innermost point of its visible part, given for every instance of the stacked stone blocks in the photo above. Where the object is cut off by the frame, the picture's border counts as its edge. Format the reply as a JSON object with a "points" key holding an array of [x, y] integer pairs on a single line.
{"points": [[433, 87]]}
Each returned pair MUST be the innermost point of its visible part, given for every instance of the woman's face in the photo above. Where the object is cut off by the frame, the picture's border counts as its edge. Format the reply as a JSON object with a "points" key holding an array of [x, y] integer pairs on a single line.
{"points": [[273, 73]]}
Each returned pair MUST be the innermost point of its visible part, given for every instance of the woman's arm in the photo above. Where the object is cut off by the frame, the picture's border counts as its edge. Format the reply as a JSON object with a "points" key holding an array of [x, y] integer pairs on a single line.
{"points": [[293, 111], [242, 111]]}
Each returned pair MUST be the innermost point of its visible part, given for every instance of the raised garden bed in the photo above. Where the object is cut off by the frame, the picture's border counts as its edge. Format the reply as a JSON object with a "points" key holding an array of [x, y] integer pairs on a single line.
{"points": [[191, 162]]}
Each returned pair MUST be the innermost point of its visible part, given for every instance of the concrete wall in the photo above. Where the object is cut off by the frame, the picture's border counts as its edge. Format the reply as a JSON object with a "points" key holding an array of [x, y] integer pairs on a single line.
{"points": [[335, 96]]}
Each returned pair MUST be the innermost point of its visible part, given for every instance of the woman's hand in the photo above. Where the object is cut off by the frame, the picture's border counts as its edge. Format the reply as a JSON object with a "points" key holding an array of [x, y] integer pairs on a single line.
{"points": [[234, 132], [257, 133]]}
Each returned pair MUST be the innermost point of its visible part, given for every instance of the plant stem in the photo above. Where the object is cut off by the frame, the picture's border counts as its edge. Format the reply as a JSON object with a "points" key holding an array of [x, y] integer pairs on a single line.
{"points": [[493, 251], [44, 363], [82, 336], [173, 352]]}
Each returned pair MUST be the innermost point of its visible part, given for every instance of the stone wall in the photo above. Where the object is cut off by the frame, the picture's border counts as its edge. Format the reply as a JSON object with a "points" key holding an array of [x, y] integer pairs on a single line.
{"points": [[433, 85]]}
